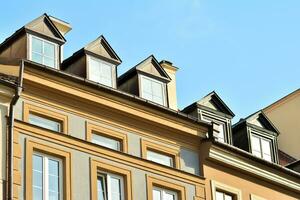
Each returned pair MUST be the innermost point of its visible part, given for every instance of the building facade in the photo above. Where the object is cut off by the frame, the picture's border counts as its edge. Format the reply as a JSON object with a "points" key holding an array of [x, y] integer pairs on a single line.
{"points": [[81, 131]]}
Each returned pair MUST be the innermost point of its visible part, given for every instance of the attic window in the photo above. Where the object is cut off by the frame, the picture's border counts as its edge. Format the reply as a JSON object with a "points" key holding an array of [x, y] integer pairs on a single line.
{"points": [[43, 51], [153, 90], [100, 71], [261, 147]]}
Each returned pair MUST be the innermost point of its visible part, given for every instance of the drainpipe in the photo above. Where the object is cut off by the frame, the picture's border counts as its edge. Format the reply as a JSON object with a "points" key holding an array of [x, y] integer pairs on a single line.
{"points": [[10, 135]]}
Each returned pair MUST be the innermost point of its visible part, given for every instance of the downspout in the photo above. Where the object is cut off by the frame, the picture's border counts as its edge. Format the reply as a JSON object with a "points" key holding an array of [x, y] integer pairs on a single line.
{"points": [[10, 139]]}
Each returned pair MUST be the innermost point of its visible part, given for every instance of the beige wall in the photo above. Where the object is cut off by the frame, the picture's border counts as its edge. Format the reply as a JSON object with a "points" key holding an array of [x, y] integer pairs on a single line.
{"points": [[246, 184], [285, 116]]}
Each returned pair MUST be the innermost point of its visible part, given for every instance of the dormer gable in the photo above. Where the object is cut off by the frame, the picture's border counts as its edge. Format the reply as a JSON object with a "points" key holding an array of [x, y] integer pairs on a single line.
{"points": [[43, 26], [257, 135], [148, 80], [212, 108], [97, 62]]}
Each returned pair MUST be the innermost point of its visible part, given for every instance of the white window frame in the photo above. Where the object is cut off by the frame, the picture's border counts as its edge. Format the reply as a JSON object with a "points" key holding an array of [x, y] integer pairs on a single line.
{"points": [[108, 177], [55, 50], [217, 186], [42, 117], [45, 188], [154, 80], [111, 138], [112, 67], [163, 192], [172, 158], [219, 123], [260, 146]]}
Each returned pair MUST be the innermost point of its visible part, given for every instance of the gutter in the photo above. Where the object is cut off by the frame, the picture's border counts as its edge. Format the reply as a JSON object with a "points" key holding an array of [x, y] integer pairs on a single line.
{"points": [[10, 135]]}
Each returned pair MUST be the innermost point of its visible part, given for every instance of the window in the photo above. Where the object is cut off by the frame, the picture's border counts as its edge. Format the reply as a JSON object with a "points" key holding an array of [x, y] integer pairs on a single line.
{"points": [[153, 90], [220, 195], [100, 71], [221, 127], [45, 118], [43, 52], [163, 194], [222, 191], [47, 172], [44, 122], [47, 177], [106, 142], [261, 147], [109, 182], [158, 189], [110, 187], [106, 137], [160, 158], [165, 155]]}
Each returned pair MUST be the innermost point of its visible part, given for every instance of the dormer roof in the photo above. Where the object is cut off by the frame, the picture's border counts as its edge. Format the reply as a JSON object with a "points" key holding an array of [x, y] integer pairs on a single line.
{"points": [[149, 66], [259, 120], [213, 102], [98, 48], [42, 26]]}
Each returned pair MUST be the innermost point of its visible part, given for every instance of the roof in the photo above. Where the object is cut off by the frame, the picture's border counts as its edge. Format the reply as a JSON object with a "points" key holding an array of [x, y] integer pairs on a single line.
{"points": [[85, 50], [215, 99], [282, 100], [131, 72], [261, 118], [24, 29], [114, 91]]}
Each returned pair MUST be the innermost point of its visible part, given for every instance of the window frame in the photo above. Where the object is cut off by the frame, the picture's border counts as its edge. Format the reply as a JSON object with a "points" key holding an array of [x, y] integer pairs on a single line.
{"points": [[260, 138], [107, 177], [47, 114], [153, 182], [106, 132], [164, 89], [113, 70], [45, 159], [173, 152], [255, 197], [100, 167], [217, 186], [56, 50], [32, 148]]}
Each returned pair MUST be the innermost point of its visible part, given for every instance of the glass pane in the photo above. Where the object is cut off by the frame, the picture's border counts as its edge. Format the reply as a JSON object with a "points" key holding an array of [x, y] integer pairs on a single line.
{"points": [[37, 45], [221, 133], [115, 184], [37, 58], [37, 184], [45, 123], [101, 188], [106, 70], [168, 196], [219, 195], [255, 144], [94, 70], [157, 89], [53, 177], [228, 197], [146, 85], [106, 142], [158, 100], [266, 146], [49, 50], [160, 158], [156, 194], [49, 62]]}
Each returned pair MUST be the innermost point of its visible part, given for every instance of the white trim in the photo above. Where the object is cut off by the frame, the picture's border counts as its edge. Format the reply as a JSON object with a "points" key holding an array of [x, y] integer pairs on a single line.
{"points": [[221, 186], [56, 50], [163, 192], [254, 197], [228, 158]]}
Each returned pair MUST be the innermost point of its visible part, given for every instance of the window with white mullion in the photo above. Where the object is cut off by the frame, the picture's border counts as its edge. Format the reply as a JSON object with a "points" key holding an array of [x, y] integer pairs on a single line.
{"points": [[153, 90], [261, 147], [100, 71], [43, 51], [223, 196], [47, 179], [110, 187], [163, 194]]}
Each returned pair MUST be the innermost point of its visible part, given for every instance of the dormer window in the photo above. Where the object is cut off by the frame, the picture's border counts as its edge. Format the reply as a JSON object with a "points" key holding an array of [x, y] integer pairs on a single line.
{"points": [[43, 51], [100, 71], [261, 147], [153, 90]]}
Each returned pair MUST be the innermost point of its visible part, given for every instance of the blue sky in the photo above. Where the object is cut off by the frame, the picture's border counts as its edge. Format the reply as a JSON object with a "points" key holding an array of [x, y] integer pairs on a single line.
{"points": [[247, 51]]}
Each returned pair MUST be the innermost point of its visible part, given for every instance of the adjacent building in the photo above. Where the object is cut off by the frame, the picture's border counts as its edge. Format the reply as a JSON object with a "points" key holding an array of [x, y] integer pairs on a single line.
{"points": [[81, 131]]}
